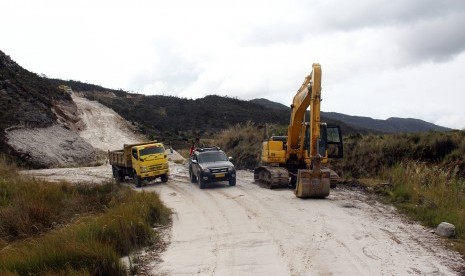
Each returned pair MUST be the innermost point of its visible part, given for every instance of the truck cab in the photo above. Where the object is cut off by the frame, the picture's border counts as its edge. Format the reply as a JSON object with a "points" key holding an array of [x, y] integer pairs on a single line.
{"points": [[150, 161], [143, 161]]}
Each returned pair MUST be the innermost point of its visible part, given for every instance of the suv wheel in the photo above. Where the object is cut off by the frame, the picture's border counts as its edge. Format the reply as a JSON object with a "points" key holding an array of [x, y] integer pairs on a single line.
{"points": [[192, 176], [201, 183], [232, 181], [164, 178]]}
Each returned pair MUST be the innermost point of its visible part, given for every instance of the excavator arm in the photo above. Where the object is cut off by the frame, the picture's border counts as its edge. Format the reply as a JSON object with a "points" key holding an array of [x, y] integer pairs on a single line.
{"points": [[309, 94], [314, 181]]}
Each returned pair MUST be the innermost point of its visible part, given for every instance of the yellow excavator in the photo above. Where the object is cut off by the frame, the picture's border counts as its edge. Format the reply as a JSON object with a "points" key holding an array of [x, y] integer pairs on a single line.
{"points": [[296, 160]]}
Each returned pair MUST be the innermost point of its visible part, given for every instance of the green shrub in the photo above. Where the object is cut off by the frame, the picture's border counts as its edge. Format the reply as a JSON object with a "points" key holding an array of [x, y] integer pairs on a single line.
{"points": [[63, 229]]}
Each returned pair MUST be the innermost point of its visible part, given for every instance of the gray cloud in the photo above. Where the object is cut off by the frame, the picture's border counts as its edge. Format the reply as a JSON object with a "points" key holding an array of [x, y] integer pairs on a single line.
{"points": [[420, 30], [438, 40], [346, 15], [169, 72]]}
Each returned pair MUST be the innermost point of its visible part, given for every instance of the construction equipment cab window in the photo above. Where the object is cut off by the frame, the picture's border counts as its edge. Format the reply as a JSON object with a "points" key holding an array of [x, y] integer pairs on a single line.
{"points": [[334, 142]]}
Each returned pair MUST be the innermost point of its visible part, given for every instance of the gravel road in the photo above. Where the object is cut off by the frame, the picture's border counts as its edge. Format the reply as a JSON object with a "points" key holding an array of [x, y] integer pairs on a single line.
{"points": [[249, 230]]}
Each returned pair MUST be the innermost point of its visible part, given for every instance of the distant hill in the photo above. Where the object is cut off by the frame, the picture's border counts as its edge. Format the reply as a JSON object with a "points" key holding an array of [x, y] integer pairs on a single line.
{"points": [[367, 124], [174, 119], [270, 104], [390, 125], [29, 100]]}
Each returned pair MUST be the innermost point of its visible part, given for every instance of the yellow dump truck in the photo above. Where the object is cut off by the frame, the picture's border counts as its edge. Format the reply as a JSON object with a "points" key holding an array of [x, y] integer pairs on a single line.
{"points": [[142, 161]]}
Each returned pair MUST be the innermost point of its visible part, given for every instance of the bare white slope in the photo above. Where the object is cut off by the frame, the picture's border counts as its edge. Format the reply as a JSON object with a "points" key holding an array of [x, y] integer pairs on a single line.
{"points": [[104, 128], [249, 230]]}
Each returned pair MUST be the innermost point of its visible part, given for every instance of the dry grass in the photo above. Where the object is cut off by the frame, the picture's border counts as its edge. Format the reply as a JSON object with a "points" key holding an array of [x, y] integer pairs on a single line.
{"points": [[426, 172], [243, 142], [430, 193], [59, 229], [184, 153]]}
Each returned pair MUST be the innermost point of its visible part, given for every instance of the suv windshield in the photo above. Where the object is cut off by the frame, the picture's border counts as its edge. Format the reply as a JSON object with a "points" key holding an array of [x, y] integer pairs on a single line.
{"points": [[151, 150], [212, 157]]}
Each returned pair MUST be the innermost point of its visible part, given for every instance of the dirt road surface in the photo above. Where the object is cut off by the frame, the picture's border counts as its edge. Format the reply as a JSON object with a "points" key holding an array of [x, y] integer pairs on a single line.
{"points": [[249, 230]]}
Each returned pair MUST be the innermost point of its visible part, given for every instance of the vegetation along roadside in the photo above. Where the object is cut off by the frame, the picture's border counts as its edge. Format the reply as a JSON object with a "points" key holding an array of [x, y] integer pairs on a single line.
{"points": [[423, 174], [63, 229]]}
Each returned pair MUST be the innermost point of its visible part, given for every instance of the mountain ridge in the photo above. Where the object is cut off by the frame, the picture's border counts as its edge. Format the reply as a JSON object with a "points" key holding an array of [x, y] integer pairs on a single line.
{"points": [[32, 101], [390, 125]]}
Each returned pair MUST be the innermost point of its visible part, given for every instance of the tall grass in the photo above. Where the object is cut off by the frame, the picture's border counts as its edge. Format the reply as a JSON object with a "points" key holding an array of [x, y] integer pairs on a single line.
{"points": [[426, 172], [243, 143], [429, 193], [369, 155], [60, 229]]}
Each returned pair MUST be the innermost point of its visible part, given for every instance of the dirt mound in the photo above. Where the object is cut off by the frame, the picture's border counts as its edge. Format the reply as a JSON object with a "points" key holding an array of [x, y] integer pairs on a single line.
{"points": [[83, 133], [53, 146]]}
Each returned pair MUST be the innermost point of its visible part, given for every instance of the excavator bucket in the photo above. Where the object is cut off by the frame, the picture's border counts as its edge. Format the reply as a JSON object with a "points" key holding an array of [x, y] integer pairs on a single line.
{"points": [[313, 184]]}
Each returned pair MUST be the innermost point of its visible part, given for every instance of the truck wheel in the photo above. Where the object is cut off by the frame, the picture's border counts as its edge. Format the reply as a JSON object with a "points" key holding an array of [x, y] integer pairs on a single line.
{"points": [[115, 172], [120, 177], [164, 178], [232, 181], [137, 181], [192, 176], [201, 183]]}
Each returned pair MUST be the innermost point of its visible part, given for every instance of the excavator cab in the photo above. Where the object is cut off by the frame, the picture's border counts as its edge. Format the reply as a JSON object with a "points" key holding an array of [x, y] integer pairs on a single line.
{"points": [[330, 142]]}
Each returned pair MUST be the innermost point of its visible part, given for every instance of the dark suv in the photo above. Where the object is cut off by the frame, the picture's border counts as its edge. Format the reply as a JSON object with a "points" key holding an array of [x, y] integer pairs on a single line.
{"points": [[211, 165]]}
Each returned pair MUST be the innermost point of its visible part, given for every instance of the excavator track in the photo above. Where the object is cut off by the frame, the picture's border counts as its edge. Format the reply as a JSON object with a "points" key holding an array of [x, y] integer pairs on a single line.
{"points": [[272, 177]]}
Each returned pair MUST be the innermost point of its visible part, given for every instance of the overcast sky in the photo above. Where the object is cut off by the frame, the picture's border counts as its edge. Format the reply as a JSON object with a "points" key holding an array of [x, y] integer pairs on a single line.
{"points": [[384, 58]]}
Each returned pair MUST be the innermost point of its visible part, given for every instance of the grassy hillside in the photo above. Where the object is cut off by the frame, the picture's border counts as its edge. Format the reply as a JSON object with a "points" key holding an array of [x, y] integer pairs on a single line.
{"points": [[179, 120], [26, 99], [63, 229], [368, 155]]}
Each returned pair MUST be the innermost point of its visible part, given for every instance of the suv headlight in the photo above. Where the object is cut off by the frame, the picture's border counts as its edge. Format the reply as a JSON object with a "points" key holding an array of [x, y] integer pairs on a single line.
{"points": [[206, 170], [143, 169], [231, 168]]}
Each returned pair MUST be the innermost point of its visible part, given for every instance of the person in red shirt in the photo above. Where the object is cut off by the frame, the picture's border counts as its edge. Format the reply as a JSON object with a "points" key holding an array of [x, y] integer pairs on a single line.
{"points": [[191, 151]]}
